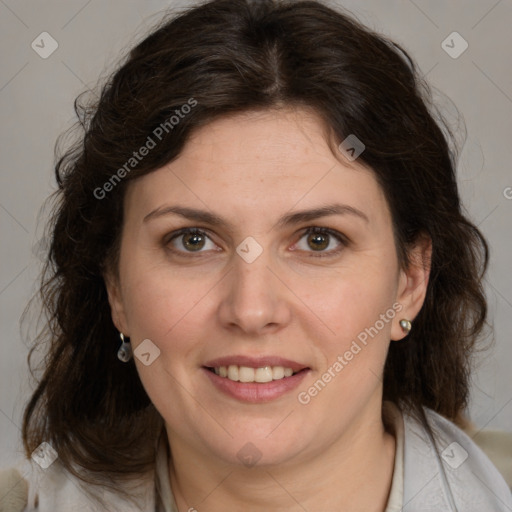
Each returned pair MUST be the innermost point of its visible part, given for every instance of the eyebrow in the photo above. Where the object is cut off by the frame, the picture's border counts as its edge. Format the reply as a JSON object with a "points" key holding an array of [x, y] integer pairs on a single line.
{"points": [[289, 219]]}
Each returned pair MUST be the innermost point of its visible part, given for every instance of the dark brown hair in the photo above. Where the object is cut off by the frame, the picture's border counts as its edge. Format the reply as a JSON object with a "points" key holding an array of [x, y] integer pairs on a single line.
{"points": [[220, 58]]}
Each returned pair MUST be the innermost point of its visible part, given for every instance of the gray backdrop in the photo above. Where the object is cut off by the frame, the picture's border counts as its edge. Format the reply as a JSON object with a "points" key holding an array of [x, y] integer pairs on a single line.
{"points": [[36, 98]]}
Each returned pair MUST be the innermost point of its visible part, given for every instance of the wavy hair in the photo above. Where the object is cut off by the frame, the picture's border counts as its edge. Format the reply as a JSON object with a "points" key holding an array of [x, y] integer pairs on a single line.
{"points": [[231, 56]]}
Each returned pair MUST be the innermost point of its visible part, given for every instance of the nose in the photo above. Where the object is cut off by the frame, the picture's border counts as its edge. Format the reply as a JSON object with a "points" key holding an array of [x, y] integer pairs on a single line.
{"points": [[255, 301]]}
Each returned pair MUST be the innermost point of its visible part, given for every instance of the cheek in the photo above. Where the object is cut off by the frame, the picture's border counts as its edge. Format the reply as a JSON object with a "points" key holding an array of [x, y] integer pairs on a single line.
{"points": [[352, 301], [169, 310], [165, 305], [359, 310]]}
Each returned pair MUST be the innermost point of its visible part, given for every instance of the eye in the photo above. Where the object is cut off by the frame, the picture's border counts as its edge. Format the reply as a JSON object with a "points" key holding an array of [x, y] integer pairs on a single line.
{"points": [[324, 241], [189, 240]]}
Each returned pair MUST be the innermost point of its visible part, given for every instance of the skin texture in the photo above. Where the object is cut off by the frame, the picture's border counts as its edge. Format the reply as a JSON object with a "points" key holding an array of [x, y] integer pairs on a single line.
{"points": [[333, 453]]}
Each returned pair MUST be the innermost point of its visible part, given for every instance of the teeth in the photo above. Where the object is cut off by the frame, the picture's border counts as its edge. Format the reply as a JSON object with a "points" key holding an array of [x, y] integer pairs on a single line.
{"points": [[263, 374], [277, 372], [247, 374], [232, 372]]}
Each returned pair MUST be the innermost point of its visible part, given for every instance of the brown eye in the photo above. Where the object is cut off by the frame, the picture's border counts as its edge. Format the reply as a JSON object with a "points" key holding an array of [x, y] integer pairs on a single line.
{"points": [[318, 241], [189, 240], [193, 241], [323, 241]]}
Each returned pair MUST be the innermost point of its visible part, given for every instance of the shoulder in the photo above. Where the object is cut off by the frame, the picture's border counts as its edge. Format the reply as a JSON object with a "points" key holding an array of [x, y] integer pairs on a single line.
{"points": [[54, 488], [448, 470]]}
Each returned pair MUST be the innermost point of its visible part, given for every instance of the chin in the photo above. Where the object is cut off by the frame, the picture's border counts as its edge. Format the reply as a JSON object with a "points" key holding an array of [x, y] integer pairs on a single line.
{"points": [[252, 450]]}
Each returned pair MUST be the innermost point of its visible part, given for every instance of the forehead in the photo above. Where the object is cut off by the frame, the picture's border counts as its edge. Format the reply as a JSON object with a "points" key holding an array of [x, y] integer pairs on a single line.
{"points": [[257, 163], [263, 142]]}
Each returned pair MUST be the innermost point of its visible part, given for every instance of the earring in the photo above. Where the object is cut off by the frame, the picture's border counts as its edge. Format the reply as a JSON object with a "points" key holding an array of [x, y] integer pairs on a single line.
{"points": [[124, 353], [406, 326]]}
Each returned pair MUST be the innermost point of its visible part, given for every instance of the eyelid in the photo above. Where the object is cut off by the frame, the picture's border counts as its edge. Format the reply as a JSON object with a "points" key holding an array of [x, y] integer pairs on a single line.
{"points": [[186, 231], [330, 231], [340, 237]]}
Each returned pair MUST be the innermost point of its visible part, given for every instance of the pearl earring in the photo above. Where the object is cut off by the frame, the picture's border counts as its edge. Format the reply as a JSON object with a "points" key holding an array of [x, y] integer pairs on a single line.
{"points": [[406, 325], [124, 353]]}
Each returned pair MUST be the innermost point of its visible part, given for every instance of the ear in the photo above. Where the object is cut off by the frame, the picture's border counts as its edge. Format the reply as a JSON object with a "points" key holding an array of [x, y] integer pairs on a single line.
{"points": [[115, 299], [412, 284]]}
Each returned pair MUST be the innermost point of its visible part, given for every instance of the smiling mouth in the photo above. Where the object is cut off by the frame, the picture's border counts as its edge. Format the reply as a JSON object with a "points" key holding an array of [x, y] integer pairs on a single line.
{"points": [[263, 374]]}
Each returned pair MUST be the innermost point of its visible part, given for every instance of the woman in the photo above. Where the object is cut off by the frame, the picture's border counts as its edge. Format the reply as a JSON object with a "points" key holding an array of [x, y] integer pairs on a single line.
{"points": [[262, 292]]}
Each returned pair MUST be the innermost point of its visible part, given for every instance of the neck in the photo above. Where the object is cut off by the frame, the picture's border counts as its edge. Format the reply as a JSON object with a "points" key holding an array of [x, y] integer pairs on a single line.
{"points": [[353, 473]]}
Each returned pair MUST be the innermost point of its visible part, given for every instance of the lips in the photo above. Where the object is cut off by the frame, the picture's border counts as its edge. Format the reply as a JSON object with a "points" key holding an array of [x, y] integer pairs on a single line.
{"points": [[255, 379]]}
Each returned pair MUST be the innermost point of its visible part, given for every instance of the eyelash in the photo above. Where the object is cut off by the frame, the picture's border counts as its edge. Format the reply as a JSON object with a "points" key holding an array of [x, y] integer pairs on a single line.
{"points": [[310, 230]]}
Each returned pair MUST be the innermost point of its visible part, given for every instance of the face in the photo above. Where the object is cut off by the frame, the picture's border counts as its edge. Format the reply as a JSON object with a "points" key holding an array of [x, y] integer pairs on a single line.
{"points": [[256, 254]]}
